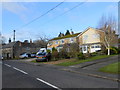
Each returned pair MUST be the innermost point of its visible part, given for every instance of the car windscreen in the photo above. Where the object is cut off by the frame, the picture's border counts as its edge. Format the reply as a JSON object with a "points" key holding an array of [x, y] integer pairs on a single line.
{"points": [[41, 54]]}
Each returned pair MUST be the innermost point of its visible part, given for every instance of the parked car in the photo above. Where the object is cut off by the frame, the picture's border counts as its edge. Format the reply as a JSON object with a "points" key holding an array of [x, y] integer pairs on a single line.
{"points": [[43, 56], [33, 55], [1, 57], [24, 55]]}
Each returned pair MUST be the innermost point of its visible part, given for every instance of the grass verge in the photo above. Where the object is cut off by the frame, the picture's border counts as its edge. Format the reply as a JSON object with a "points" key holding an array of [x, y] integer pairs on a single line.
{"points": [[34, 61], [74, 62], [111, 68]]}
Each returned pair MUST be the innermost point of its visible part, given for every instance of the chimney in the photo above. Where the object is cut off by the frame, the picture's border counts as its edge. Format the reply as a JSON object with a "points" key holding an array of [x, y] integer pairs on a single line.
{"points": [[20, 44], [9, 40], [72, 32], [14, 36], [30, 41]]}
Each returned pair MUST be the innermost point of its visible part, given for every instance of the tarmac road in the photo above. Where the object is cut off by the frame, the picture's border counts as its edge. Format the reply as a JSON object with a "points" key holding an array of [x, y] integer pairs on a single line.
{"points": [[22, 75]]}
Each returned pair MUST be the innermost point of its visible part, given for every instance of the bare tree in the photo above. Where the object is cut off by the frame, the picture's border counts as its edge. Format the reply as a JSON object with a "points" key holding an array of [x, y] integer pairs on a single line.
{"points": [[42, 41], [2, 39], [108, 36]]}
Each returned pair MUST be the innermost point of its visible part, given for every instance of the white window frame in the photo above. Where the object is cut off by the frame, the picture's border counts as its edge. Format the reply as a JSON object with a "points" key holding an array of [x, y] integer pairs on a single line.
{"points": [[56, 42], [71, 40], [62, 41]]}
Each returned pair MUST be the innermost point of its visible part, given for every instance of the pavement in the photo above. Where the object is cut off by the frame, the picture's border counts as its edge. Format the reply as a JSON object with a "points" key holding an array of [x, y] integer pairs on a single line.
{"points": [[91, 68], [96, 62]]}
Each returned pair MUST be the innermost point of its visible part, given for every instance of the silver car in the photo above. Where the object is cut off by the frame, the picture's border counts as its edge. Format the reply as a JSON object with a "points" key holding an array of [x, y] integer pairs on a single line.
{"points": [[24, 55]]}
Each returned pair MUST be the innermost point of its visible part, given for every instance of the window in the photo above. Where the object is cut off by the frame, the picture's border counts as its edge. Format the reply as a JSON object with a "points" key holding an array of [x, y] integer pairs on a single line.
{"points": [[92, 46], [97, 46], [71, 40], [85, 37], [62, 41], [96, 36], [56, 42]]}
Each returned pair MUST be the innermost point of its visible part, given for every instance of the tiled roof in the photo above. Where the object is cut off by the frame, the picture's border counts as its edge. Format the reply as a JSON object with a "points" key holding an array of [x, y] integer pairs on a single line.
{"points": [[9, 45], [67, 36]]}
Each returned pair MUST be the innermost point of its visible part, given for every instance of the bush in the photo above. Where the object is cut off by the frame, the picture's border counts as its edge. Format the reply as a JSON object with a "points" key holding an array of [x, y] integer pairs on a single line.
{"points": [[113, 50], [98, 53], [80, 56], [87, 55], [48, 51], [54, 49], [63, 54], [55, 54]]}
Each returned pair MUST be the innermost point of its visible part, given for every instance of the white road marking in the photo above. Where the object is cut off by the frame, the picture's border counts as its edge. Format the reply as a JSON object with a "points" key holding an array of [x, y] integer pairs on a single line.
{"points": [[48, 83], [36, 78], [20, 70], [7, 65]]}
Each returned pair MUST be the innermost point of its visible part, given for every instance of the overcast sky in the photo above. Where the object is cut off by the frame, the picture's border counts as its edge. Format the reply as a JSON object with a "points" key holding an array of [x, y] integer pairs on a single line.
{"points": [[17, 14]]}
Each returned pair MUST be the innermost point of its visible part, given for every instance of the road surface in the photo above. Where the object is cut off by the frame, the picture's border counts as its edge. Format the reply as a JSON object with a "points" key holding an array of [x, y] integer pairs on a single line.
{"points": [[22, 75]]}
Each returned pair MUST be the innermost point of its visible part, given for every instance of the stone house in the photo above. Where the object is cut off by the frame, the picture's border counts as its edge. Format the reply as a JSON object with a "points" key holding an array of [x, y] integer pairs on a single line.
{"points": [[14, 49]]}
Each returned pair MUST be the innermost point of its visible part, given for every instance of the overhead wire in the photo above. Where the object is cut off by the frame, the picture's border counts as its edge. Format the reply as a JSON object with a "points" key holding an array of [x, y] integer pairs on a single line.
{"points": [[66, 12], [42, 15]]}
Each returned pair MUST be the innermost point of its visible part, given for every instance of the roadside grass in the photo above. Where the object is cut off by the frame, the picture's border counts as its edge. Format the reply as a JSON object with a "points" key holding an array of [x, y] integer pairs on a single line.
{"points": [[76, 61], [34, 61], [111, 68]]}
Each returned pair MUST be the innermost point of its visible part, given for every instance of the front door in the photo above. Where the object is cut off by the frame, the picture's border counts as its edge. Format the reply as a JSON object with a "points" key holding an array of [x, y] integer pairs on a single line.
{"points": [[84, 49]]}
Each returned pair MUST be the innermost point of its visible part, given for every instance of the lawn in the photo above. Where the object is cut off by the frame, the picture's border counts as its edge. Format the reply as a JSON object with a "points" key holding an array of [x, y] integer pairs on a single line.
{"points": [[74, 62], [111, 68]]}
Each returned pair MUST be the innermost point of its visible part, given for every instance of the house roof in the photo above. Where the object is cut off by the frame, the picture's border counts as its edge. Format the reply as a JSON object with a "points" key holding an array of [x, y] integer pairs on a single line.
{"points": [[88, 29], [24, 45], [67, 36], [9, 45]]}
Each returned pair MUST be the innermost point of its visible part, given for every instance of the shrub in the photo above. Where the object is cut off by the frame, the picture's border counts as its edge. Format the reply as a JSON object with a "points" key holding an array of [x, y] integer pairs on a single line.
{"points": [[69, 51], [113, 50], [55, 54], [98, 53], [94, 53], [54, 49], [87, 55], [80, 56], [63, 54], [48, 51]]}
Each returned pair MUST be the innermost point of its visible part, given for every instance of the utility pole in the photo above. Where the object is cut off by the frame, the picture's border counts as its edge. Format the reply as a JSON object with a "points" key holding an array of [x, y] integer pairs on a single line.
{"points": [[14, 36]]}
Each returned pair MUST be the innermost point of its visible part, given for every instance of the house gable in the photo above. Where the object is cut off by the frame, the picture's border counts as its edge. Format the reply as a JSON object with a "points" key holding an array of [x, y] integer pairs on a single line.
{"points": [[90, 35]]}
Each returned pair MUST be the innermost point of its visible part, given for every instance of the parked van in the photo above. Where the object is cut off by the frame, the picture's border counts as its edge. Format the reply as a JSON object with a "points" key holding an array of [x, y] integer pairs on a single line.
{"points": [[42, 50]]}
